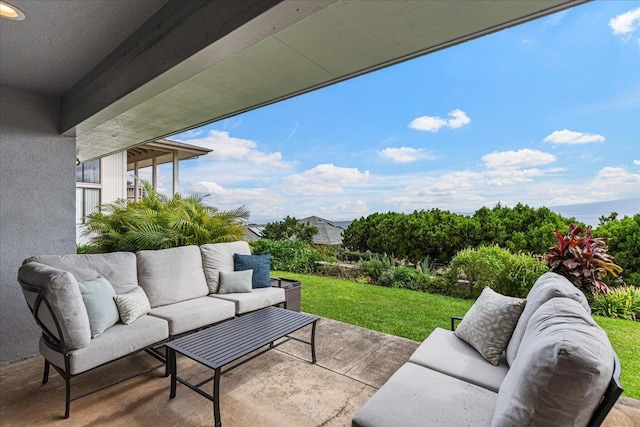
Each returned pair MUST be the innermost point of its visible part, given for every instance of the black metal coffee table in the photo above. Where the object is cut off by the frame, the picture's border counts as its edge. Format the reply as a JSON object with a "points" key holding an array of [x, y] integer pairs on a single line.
{"points": [[227, 342]]}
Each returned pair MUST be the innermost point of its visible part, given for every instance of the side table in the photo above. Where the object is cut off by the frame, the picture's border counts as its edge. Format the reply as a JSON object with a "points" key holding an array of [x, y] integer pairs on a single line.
{"points": [[292, 291]]}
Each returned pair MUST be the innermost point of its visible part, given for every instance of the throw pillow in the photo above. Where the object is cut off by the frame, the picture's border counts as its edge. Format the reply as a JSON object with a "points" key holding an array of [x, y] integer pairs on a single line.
{"points": [[132, 305], [235, 281], [489, 323], [261, 266], [97, 295]]}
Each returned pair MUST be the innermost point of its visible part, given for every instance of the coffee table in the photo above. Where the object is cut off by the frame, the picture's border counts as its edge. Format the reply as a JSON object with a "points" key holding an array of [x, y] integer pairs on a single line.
{"points": [[229, 341]]}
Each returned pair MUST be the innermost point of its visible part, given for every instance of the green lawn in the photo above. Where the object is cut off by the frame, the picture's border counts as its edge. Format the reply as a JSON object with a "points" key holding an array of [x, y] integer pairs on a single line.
{"points": [[414, 315]]}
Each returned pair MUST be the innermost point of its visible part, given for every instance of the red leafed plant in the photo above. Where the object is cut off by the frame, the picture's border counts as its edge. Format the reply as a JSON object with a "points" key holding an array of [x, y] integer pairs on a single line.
{"points": [[582, 260]]}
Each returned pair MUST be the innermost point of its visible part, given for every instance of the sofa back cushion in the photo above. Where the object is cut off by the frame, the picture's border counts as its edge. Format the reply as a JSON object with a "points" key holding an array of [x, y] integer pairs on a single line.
{"points": [[171, 275], [63, 293], [548, 286], [564, 365], [119, 268], [217, 257]]}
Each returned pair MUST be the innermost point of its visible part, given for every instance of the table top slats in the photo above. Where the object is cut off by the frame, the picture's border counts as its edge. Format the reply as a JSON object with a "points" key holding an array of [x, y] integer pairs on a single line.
{"points": [[221, 344]]}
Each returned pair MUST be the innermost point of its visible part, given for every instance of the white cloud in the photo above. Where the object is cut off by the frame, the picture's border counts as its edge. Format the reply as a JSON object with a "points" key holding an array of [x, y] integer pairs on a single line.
{"points": [[406, 154], [517, 159], [569, 137], [433, 123], [324, 179], [636, 162], [626, 24], [615, 177]]}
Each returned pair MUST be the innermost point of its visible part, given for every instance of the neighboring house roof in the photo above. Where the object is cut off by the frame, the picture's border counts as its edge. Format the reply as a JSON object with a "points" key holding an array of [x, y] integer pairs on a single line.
{"points": [[253, 232], [328, 232]]}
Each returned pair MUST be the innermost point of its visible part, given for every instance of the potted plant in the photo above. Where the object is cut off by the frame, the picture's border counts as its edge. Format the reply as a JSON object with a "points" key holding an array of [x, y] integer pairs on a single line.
{"points": [[582, 259]]}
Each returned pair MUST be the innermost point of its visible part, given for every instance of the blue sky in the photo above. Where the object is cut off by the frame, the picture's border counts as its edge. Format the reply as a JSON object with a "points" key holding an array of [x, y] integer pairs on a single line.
{"points": [[546, 113]]}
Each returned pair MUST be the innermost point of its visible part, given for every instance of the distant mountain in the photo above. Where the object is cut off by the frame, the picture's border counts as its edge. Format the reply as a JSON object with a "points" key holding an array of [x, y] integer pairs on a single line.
{"points": [[589, 213]]}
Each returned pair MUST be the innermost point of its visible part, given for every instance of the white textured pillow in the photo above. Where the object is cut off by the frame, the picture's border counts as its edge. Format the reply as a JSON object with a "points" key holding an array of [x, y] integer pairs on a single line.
{"points": [[489, 323], [132, 305]]}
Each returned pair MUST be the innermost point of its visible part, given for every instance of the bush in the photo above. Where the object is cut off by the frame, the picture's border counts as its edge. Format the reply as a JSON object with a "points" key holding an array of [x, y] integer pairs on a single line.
{"points": [[403, 277], [619, 303], [504, 272], [287, 255], [374, 268]]}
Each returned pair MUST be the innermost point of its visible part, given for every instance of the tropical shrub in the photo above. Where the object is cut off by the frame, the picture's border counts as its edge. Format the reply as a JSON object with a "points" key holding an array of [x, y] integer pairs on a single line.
{"points": [[623, 240], [582, 259], [159, 222], [289, 255], [619, 303], [374, 267], [495, 267], [403, 277]]}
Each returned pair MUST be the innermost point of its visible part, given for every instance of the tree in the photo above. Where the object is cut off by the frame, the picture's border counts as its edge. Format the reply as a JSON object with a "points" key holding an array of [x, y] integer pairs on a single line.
{"points": [[623, 239], [290, 229], [160, 222]]}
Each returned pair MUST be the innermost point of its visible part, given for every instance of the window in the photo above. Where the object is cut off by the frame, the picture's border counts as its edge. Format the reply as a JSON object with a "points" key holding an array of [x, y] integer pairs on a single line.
{"points": [[87, 201], [88, 172]]}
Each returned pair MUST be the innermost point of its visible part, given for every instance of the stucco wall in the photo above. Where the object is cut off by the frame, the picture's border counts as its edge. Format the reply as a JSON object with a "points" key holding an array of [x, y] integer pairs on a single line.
{"points": [[37, 205]]}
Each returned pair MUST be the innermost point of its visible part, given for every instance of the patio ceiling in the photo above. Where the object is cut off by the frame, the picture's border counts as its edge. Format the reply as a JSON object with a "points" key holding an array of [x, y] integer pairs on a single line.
{"points": [[134, 72]]}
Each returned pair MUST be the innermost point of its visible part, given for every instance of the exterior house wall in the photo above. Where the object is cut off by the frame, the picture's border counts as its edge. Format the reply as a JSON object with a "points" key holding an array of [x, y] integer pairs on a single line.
{"points": [[113, 185], [37, 205]]}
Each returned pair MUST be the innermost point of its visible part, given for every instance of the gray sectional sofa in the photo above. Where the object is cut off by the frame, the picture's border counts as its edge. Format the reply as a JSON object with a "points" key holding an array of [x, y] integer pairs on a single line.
{"points": [[558, 369], [181, 285]]}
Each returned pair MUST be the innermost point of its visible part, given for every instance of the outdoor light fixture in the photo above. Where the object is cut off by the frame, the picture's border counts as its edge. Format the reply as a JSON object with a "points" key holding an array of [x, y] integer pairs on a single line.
{"points": [[10, 12], [77, 161]]}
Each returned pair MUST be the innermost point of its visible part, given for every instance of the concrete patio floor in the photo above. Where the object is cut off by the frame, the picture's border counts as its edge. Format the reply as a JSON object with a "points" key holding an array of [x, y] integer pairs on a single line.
{"points": [[279, 388]]}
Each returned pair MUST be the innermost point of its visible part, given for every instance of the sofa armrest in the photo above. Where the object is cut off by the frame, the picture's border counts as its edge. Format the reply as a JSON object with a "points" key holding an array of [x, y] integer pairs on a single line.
{"points": [[453, 321]]}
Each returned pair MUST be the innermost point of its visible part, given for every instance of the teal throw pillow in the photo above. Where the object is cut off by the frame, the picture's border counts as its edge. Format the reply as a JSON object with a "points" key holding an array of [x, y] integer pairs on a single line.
{"points": [[97, 295], [260, 264], [235, 281]]}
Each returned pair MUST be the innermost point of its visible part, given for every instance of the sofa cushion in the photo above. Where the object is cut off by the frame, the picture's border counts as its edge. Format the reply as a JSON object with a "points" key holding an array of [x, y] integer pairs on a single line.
{"points": [[218, 257], [119, 268], [63, 293], [97, 295], [549, 285], [489, 323], [444, 352], [117, 341], [235, 281], [194, 313], [133, 305], [415, 396], [254, 300], [261, 266], [171, 275], [564, 365]]}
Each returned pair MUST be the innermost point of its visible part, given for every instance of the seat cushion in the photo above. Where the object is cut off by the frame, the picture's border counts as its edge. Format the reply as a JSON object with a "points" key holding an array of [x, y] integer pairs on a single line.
{"points": [[171, 275], [254, 300], [63, 293], [549, 285], [415, 396], [218, 257], [564, 365], [444, 352], [119, 268], [489, 323], [193, 314], [117, 341]]}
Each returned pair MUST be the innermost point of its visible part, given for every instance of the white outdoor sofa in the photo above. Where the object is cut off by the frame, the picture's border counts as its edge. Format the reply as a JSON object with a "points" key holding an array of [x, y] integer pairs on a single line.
{"points": [[558, 369], [181, 285]]}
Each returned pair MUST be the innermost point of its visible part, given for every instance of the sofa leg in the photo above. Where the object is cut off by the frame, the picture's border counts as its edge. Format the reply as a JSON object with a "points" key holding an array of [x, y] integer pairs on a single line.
{"points": [[68, 398], [45, 376]]}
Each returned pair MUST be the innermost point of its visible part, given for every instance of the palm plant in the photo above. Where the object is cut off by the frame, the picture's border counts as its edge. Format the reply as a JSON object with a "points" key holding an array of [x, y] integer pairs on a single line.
{"points": [[158, 222], [582, 260]]}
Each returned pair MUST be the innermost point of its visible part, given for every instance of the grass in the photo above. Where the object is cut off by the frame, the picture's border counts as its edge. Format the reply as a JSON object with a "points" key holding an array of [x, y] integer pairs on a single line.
{"points": [[414, 315]]}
